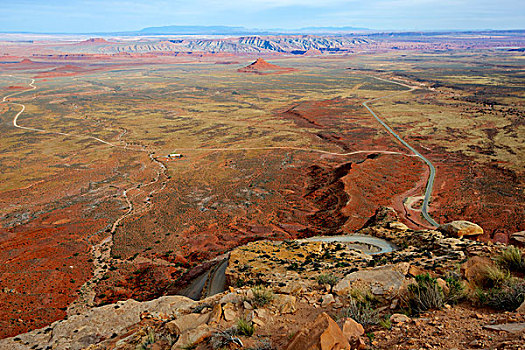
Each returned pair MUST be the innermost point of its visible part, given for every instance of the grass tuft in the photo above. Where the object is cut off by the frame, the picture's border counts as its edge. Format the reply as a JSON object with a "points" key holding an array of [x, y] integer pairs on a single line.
{"points": [[456, 289], [361, 312], [509, 296], [245, 327], [423, 295], [512, 259], [492, 276], [261, 296]]}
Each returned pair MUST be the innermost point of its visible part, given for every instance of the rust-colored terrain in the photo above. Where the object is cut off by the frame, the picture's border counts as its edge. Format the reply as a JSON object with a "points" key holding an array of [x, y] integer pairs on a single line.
{"points": [[93, 210]]}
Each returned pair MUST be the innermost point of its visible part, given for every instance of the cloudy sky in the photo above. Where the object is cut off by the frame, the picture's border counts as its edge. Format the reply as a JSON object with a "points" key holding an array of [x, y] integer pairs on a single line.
{"points": [[121, 15]]}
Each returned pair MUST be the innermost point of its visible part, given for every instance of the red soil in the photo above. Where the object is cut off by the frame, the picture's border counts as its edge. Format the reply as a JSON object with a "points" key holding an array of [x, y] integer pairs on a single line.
{"points": [[482, 193], [46, 233], [42, 264], [376, 182]]}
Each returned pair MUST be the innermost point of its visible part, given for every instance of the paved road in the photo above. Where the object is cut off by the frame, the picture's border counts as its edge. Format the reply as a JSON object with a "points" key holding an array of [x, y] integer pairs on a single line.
{"points": [[432, 175], [209, 283]]}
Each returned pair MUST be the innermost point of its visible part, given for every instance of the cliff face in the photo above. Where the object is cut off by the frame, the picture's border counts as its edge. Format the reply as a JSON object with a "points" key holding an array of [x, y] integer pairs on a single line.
{"points": [[291, 293]]}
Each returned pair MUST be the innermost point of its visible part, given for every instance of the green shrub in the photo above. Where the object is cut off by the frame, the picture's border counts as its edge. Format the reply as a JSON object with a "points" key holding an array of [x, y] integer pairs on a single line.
{"points": [[423, 295], [327, 278], [512, 259], [245, 327], [361, 312], [456, 290], [261, 296], [509, 296]]}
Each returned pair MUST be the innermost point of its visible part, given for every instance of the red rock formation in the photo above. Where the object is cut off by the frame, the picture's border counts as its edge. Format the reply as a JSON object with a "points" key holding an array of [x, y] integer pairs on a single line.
{"points": [[262, 67]]}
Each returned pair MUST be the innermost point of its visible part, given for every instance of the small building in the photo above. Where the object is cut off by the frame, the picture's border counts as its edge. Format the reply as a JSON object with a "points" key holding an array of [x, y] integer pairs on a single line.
{"points": [[175, 155]]}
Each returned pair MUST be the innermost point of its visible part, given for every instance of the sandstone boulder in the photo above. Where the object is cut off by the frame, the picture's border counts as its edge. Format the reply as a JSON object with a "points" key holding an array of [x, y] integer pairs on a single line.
{"points": [[414, 270], [399, 318], [260, 317], [518, 237], [353, 332], [216, 314], [233, 298], [327, 299], [351, 328], [396, 225], [190, 321], [474, 268], [285, 303], [323, 334], [461, 228], [384, 281], [80, 331], [193, 336], [229, 312]]}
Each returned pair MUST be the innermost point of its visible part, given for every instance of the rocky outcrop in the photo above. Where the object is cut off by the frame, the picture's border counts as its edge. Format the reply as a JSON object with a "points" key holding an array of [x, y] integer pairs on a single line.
{"points": [[461, 228], [305, 280], [323, 334], [518, 238], [383, 281], [353, 332], [98, 324]]}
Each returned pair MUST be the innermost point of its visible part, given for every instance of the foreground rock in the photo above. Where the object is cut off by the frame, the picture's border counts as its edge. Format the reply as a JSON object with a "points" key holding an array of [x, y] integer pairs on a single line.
{"points": [[98, 324], [383, 281], [323, 334], [518, 238], [506, 327], [461, 228]]}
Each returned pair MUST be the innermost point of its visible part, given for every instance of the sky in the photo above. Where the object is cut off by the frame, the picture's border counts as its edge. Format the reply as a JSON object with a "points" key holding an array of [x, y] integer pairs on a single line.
{"points": [[89, 16]]}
